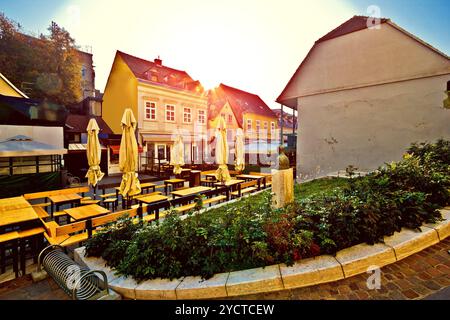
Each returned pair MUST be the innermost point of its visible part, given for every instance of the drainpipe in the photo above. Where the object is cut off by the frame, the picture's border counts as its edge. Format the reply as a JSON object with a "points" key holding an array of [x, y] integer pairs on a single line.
{"points": [[281, 126]]}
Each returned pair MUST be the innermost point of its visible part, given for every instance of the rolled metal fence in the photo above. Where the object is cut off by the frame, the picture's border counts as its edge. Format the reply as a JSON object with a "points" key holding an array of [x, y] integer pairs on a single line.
{"points": [[77, 281]]}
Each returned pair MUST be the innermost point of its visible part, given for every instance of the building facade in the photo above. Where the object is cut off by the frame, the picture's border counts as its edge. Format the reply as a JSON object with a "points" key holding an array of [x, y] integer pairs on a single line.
{"points": [[165, 101], [363, 95], [241, 109]]}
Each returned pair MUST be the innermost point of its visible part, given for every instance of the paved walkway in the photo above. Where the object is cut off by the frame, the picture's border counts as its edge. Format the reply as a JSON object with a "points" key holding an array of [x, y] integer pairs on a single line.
{"points": [[423, 275]]}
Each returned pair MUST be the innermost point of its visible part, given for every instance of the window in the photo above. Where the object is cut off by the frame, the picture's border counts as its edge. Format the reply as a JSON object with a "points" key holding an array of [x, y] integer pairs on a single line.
{"points": [[272, 127], [187, 115], [83, 72], [258, 125], [265, 126], [201, 116], [170, 112], [249, 124], [230, 119], [223, 116], [150, 110]]}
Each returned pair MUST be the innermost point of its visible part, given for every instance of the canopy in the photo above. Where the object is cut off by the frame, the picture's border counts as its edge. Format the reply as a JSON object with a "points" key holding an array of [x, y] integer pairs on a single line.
{"points": [[93, 153], [239, 162], [177, 155], [24, 146], [222, 173], [128, 156]]}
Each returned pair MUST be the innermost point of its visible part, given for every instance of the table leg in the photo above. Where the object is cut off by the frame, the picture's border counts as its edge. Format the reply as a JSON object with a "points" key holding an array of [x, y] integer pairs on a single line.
{"points": [[165, 187], [23, 255], [259, 184], [15, 258], [2, 258], [52, 209]]}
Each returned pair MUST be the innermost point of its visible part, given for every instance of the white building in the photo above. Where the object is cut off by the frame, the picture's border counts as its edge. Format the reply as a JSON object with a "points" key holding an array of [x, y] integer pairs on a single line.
{"points": [[364, 94]]}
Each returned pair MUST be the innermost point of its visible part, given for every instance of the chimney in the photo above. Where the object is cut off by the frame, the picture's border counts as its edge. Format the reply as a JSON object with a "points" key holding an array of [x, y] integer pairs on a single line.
{"points": [[158, 61]]}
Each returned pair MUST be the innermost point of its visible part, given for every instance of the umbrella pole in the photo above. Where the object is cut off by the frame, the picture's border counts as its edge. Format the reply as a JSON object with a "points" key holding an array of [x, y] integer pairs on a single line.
{"points": [[95, 189]]}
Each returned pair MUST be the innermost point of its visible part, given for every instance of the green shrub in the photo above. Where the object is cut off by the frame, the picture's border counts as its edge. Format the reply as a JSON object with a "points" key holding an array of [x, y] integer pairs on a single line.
{"points": [[327, 215]]}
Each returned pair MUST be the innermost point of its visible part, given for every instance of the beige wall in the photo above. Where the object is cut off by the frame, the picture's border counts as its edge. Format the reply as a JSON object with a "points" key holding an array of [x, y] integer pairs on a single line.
{"points": [[369, 126], [162, 96], [362, 58]]}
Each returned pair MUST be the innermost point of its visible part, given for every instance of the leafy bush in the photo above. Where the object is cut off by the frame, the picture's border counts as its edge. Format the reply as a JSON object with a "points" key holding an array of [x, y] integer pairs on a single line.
{"points": [[327, 215]]}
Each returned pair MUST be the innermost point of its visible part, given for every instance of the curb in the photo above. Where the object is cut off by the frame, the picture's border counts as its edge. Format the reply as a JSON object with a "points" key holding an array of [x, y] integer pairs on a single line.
{"points": [[308, 272]]}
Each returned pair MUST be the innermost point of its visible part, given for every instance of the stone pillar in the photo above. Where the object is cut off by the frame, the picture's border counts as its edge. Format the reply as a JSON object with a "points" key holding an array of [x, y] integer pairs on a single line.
{"points": [[282, 187]]}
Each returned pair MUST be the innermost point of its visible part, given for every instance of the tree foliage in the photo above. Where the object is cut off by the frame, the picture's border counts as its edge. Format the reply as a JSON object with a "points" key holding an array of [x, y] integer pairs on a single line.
{"points": [[49, 63]]}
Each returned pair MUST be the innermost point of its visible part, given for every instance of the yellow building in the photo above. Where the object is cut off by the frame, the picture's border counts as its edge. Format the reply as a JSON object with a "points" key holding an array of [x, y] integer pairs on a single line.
{"points": [[165, 102], [244, 110], [8, 89]]}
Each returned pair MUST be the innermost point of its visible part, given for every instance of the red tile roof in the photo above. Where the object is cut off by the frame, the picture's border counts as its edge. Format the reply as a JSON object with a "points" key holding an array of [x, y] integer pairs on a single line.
{"points": [[288, 119], [355, 23], [240, 101], [158, 74]]}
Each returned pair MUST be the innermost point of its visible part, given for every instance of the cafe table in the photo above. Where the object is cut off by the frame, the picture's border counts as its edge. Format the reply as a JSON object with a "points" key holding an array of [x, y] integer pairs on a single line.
{"points": [[230, 184], [149, 200], [61, 199], [86, 212], [253, 177], [174, 183], [190, 191]]}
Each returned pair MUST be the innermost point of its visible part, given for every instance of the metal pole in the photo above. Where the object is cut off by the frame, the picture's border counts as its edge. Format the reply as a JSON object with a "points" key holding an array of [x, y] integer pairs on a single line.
{"points": [[281, 126]]}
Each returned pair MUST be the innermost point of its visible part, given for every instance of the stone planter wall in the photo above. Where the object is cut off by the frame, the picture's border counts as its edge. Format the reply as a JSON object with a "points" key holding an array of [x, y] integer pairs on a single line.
{"points": [[307, 272]]}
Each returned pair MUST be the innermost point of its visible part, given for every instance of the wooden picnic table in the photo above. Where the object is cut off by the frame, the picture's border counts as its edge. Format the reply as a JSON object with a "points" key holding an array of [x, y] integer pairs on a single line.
{"points": [[17, 216], [190, 191], [148, 185], [211, 175], [61, 199], [173, 183], [86, 212], [230, 184], [253, 177], [13, 203], [149, 200]]}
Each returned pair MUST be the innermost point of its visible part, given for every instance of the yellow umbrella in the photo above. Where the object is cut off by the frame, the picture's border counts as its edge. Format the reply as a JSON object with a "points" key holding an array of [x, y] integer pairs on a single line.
{"points": [[222, 173], [93, 153], [239, 161], [177, 155], [128, 156]]}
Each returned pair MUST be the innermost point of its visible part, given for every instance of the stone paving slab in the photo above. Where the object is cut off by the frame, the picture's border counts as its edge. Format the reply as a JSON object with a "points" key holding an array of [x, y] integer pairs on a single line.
{"points": [[359, 258], [254, 280], [157, 289], [196, 288], [442, 227], [408, 242], [311, 271]]}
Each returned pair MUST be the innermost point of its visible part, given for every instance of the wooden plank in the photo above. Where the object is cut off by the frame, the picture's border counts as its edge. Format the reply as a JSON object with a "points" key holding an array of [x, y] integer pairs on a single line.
{"points": [[70, 228], [190, 191], [17, 216], [86, 212], [13, 203]]}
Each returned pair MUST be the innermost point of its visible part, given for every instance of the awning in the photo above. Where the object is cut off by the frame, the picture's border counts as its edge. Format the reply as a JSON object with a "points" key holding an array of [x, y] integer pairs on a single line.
{"points": [[23, 146], [80, 147], [116, 149]]}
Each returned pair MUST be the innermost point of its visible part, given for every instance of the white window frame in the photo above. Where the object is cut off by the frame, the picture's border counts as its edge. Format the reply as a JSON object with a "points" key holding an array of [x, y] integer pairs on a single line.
{"points": [[187, 113], [174, 108], [272, 127], [257, 125], [249, 128], [149, 107], [230, 119], [265, 125], [202, 117]]}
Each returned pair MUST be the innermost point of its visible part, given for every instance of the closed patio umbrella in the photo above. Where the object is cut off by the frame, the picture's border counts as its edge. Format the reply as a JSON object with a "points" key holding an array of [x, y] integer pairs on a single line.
{"points": [[222, 173], [93, 153], [239, 162], [128, 156], [177, 155]]}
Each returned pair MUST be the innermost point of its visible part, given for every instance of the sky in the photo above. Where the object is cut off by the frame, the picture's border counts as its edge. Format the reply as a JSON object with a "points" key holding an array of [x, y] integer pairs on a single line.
{"points": [[253, 45]]}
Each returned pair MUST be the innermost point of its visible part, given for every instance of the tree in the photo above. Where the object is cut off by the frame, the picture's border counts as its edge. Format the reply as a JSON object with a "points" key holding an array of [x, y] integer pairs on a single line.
{"points": [[50, 63]]}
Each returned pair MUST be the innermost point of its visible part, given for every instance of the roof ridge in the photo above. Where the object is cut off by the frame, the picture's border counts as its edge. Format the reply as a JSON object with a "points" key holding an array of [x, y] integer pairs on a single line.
{"points": [[233, 88], [151, 62]]}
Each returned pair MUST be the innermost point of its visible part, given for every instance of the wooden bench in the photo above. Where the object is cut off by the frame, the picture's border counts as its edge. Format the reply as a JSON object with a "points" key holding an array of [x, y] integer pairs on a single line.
{"points": [[245, 187], [67, 235], [98, 223]]}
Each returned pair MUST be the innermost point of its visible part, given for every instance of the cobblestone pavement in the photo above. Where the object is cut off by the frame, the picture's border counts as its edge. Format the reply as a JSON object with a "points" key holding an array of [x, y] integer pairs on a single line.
{"points": [[424, 274], [415, 277]]}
